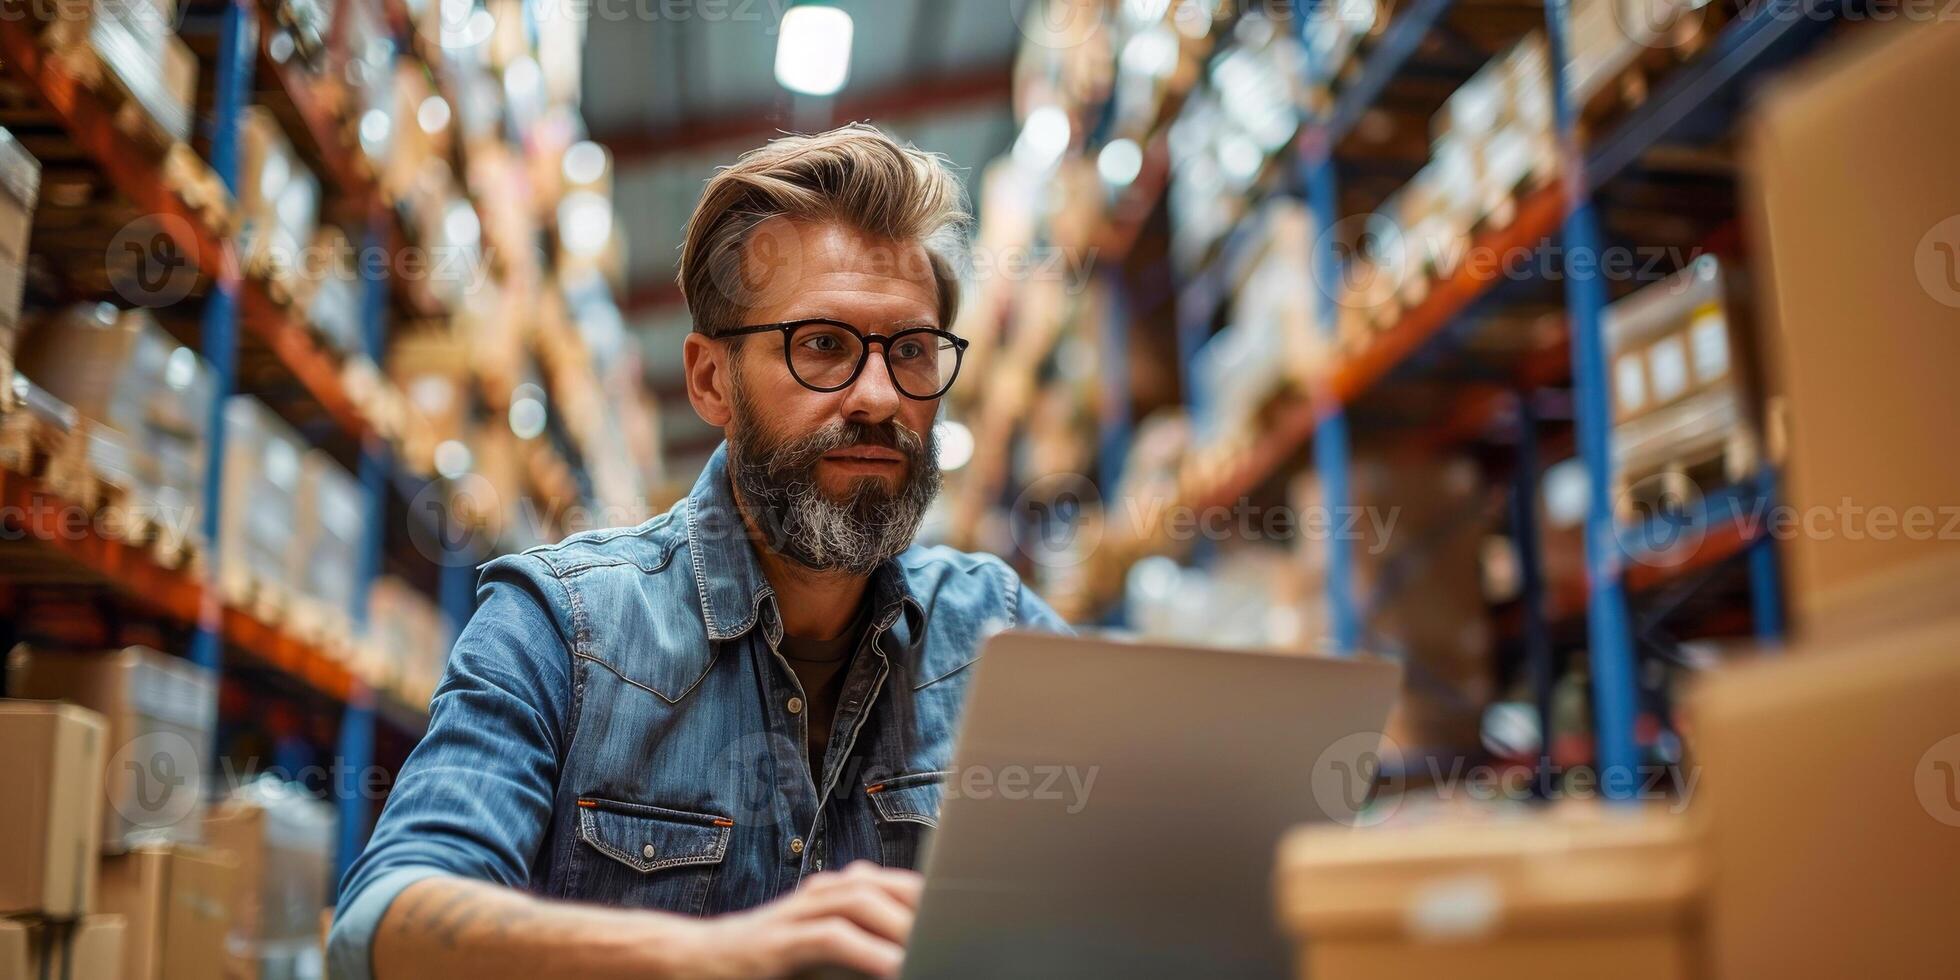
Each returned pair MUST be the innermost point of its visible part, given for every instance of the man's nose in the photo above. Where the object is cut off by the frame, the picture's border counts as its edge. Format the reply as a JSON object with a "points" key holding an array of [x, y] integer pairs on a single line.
{"points": [[872, 397]]}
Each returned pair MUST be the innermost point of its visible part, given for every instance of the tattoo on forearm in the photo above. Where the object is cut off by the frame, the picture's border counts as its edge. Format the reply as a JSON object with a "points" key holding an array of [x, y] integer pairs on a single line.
{"points": [[453, 916]]}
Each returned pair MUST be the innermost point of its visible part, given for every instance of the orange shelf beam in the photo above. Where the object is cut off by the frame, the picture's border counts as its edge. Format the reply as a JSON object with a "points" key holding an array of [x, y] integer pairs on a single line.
{"points": [[1291, 426], [57, 524]]}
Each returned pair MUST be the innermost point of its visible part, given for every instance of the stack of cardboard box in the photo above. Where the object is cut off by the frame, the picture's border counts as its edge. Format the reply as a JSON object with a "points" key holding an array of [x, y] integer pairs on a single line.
{"points": [[20, 187], [160, 711], [1684, 417], [1413, 528], [50, 839], [148, 399], [260, 511], [131, 44], [278, 202], [282, 840], [1820, 839], [409, 639], [324, 565]]}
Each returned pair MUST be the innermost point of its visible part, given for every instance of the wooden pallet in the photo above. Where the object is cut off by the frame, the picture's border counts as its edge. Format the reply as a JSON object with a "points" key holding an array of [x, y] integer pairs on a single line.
{"points": [[265, 601], [1686, 474], [184, 172], [52, 448]]}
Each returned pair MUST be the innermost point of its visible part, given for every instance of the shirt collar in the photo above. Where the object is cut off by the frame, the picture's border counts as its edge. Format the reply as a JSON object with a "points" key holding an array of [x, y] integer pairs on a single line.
{"points": [[728, 576]]}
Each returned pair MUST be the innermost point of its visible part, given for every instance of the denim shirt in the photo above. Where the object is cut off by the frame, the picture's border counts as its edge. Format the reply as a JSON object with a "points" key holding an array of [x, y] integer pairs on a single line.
{"points": [[615, 725]]}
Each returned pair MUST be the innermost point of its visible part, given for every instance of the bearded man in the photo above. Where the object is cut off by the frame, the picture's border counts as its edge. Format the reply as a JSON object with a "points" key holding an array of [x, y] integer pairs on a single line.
{"points": [[650, 743]]}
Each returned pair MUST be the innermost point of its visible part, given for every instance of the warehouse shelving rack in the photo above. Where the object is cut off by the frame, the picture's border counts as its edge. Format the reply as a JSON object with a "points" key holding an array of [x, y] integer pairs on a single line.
{"points": [[1697, 99], [234, 301], [1751, 43]]}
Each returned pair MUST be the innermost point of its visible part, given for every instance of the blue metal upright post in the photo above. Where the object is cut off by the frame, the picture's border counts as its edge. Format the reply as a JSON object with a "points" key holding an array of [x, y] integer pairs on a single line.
{"points": [[1330, 437], [1613, 670], [1531, 585], [232, 86], [355, 748], [353, 756], [1765, 572], [1330, 434]]}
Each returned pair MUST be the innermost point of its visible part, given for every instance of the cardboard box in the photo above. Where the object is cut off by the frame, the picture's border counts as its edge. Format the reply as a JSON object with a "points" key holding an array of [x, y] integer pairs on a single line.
{"points": [[20, 187], [118, 368], [283, 842], [160, 711], [1416, 552], [33, 949], [1684, 416], [278, 197], [261, 510], [1861, 260], [176, 902], [1613, 895], [51, 817], [1833, 790], [333, 291], [135, 42], [411, 634], [324, 564]]}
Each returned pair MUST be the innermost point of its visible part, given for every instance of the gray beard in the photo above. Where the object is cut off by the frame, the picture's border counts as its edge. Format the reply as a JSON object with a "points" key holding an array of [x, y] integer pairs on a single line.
{"points": [[778, 488]]}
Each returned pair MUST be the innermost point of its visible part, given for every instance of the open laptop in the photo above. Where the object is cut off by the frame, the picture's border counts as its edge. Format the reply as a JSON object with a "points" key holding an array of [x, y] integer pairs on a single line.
{"points": [[1170, 775]]}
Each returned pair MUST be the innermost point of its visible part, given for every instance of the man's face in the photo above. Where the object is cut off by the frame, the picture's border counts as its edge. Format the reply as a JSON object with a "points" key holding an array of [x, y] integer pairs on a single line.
{"points": [[839, 480]]}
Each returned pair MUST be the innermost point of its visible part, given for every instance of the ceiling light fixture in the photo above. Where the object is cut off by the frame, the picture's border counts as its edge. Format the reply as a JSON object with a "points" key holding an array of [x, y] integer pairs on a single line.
{"points": [[813, 49]]}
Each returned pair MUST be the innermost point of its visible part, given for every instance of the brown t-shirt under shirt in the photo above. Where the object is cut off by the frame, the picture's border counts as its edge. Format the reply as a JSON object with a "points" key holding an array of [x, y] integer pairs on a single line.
{"points": [[820, 666]]}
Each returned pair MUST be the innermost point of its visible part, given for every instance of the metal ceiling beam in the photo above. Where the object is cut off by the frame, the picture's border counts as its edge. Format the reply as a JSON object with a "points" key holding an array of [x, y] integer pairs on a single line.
{"points": [[905, 99]]}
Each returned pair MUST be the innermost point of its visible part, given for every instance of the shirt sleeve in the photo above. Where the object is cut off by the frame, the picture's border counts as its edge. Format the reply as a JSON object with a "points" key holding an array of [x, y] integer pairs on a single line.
{"points": [[474, 798]]}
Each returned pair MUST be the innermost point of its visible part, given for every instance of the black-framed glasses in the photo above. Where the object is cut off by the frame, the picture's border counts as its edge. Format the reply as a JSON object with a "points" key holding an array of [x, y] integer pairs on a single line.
{"points": [[828, 355]]}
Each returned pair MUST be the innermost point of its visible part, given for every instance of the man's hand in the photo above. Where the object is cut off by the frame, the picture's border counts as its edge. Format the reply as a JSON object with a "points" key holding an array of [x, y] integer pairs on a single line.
{"points": [[857, 919]]}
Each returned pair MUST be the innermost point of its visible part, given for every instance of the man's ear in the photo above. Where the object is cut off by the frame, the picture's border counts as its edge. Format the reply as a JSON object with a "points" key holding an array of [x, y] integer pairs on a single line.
{"points": [[708, 379]]}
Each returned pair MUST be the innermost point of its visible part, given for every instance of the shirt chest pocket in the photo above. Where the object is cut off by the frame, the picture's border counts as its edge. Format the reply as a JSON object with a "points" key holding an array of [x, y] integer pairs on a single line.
{"points": [[907, 810], [649, 857]]}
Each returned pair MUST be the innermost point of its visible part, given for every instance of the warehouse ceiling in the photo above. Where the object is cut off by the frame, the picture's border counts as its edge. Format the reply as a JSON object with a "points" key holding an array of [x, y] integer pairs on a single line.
{"points": [[679, 88]]}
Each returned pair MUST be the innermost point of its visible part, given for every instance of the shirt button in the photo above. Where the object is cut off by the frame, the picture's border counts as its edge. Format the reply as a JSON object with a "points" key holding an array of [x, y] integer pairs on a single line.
{"points": [[646, 851], [796, 845], [795, 706]]}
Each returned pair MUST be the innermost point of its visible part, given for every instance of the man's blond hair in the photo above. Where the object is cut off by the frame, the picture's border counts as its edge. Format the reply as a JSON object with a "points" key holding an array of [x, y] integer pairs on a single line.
{"points": [[854, 175]]}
